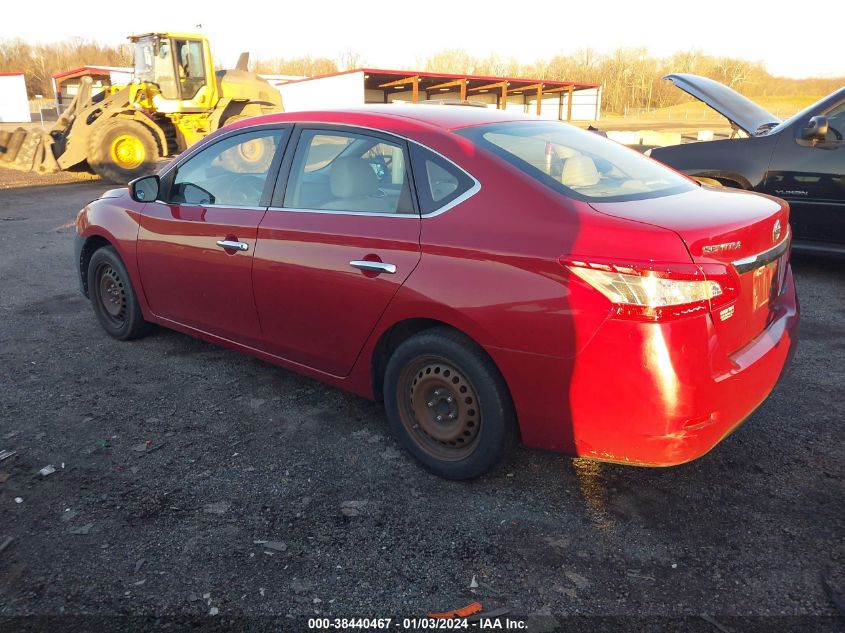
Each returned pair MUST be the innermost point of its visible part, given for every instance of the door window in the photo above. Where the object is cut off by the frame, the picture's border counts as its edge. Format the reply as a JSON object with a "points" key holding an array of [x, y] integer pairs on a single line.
{"points": [[836, 123], [231, 172], [345, 171], [163, 70], [191, 67]]}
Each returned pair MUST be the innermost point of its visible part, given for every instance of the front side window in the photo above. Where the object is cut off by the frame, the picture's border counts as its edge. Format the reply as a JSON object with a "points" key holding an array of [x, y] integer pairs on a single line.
{"points": [[836, 123], [231, 172], [347, 171], [577, 163]]}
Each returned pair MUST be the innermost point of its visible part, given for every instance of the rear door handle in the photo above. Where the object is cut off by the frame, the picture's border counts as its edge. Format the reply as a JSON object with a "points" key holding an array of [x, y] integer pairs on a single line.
{"points": [[237, 246], [373, 267]]}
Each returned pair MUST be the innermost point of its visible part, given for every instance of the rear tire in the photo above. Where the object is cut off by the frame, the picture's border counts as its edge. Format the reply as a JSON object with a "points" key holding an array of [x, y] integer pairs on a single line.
{"points": [[113, 297], [122, 150], [448, 404], [251, 157]]}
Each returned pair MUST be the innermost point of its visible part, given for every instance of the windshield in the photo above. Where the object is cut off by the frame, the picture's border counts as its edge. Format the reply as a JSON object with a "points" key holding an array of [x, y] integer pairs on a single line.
{"points": [[144, 56], [154, 64], [577, 163]]}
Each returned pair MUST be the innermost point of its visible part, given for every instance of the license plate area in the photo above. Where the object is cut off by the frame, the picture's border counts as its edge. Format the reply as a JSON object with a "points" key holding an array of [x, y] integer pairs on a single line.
{"points": [[763, 284]]}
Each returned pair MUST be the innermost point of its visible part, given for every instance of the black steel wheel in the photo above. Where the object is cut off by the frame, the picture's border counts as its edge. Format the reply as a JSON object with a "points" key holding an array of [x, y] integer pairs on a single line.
{"points": [[112, 296], [448, 404], [438, 406]]}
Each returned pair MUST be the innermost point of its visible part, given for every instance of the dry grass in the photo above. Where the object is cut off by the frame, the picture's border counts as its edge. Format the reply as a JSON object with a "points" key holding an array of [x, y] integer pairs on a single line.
{"points": [[782, 107]]}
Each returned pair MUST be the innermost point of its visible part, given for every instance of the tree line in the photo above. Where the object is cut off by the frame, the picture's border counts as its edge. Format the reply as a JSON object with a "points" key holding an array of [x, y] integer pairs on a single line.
{"points": [[38, 62], [630, 77]]}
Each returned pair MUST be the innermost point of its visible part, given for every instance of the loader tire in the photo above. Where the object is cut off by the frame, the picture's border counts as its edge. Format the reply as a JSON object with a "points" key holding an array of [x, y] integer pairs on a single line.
{"points": [[252, 157], [121, 150]]}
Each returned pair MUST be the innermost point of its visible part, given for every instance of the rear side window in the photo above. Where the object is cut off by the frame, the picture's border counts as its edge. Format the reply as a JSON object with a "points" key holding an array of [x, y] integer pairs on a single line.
{"points": [[439, 182], [349, 172]]}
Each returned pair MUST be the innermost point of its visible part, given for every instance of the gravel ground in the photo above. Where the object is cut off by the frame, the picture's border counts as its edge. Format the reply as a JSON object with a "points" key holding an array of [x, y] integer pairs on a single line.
{"points": [[175, 458]]}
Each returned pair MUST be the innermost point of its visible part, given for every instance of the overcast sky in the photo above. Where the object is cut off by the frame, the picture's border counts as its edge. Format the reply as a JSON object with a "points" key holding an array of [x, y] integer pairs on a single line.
{"points": [[806, 41]]}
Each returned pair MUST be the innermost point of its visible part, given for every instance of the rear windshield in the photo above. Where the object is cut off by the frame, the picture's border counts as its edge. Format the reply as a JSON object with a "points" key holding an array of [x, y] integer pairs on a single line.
{"points": [[577, 163]]}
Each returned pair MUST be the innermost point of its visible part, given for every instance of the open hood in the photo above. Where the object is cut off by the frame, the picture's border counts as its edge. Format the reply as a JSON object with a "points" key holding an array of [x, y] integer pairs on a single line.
{"points": [[739, 110]]}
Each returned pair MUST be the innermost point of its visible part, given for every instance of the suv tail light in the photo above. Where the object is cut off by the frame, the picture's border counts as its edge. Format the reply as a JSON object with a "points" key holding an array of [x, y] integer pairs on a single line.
{"points": [[648, 291]]}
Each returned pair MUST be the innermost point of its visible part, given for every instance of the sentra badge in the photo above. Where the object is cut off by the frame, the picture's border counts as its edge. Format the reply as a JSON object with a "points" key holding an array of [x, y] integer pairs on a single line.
{"points": [[721, 248]]}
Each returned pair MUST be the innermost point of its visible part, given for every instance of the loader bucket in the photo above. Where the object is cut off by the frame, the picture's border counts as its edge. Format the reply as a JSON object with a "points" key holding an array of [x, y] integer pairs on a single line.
{"points": [[13, 145], [28, 150], [4, 142], [35, 153]]}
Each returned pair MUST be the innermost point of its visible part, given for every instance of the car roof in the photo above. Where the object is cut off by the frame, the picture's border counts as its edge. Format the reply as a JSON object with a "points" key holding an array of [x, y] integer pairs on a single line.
{"points": [[449, 117]]}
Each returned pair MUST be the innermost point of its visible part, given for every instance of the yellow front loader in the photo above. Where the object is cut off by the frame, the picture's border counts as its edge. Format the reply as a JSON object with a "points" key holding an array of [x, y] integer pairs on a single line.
{"points": [[175, 99]]}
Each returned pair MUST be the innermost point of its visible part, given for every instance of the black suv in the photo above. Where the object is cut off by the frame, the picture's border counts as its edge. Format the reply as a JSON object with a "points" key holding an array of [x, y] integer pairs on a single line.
{"points": [[801, 160]]}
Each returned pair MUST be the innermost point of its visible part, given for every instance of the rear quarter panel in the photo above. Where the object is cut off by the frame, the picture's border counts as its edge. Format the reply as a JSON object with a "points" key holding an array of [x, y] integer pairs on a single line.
{"points": [[491, 268]]}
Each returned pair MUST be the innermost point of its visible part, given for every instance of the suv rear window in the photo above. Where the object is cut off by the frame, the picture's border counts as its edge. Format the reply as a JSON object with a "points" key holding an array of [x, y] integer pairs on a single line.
{"points": [[577, 163]]}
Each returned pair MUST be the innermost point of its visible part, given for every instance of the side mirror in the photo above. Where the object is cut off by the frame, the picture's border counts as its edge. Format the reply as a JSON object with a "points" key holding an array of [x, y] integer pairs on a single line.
{"points": [[144, 189], [816, 129]]}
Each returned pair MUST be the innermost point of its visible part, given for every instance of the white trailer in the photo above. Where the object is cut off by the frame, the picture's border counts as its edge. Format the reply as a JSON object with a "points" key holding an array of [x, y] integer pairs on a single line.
{"points": [[14, 105]]}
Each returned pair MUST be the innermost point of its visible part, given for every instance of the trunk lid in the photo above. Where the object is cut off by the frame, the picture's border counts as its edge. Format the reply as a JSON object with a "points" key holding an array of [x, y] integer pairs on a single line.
{"points": [[739, 110], [747, 234]]}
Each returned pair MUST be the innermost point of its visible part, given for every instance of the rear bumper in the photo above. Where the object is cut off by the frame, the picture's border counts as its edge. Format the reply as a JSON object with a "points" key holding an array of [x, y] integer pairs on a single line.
{"points": [[646, 393], [671, 395]]}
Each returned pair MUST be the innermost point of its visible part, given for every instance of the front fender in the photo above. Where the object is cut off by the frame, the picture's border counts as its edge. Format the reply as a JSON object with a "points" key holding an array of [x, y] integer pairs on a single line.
{"points": [[108, 221], [741, 160]]}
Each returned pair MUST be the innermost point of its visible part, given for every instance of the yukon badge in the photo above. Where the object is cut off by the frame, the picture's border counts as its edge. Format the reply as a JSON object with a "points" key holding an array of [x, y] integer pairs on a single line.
{"points": [[776, 231]]}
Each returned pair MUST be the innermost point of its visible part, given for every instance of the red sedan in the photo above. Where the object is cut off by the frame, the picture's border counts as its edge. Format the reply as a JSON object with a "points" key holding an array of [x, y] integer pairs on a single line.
{"points": [[492, 277]]}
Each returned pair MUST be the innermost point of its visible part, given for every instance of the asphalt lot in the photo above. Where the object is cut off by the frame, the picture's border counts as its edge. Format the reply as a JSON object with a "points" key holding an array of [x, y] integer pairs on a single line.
{"points": [[177, 456]]}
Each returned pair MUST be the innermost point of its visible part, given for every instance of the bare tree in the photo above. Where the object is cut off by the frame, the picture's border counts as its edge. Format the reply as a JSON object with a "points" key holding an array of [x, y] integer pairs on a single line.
{"points": [[453, 61], [39, 62], [302, 66], [348, 59]]}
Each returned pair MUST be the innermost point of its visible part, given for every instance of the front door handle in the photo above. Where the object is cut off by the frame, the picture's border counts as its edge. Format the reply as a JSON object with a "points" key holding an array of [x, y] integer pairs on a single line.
{"points": [[373, 267], [236, 246]]}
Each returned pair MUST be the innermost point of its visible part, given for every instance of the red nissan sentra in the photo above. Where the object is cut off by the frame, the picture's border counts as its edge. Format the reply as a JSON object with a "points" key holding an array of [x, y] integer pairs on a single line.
{"points": [[492, 277]]}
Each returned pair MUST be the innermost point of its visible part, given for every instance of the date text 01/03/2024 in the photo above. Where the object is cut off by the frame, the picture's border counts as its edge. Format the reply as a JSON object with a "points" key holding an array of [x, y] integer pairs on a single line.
{"points": [[415, 624]]}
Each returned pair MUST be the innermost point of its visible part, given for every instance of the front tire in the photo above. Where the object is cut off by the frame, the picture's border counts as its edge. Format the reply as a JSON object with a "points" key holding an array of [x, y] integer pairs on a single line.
{"points": [[113, 298], [122, 150], [448, 404]]}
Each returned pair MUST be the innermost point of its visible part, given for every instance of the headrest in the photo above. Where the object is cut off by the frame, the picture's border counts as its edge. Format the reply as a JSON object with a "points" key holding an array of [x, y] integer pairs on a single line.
{"points": [[351, 177], [579, 171]]}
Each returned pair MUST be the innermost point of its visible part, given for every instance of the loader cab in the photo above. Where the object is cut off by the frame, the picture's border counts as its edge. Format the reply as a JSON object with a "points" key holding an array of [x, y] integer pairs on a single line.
{"points": [[180, 66]]}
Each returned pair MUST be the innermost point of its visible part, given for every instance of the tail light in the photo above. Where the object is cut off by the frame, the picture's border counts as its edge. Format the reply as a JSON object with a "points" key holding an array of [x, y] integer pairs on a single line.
{"points": [[647, 291]]}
